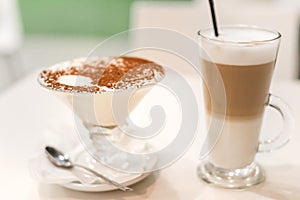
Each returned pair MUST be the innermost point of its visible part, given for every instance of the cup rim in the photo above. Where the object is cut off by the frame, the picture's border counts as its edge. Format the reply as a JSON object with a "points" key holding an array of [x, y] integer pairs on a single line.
{"points": [[240, 26]]}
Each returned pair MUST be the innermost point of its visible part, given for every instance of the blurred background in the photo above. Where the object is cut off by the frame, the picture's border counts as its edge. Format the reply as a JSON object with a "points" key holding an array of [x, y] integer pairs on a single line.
{"points": [[35, 34]]}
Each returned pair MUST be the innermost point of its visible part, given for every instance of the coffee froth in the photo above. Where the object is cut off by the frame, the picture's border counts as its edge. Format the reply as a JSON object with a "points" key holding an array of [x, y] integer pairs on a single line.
{"points": [[241, 47], [100, 75]]}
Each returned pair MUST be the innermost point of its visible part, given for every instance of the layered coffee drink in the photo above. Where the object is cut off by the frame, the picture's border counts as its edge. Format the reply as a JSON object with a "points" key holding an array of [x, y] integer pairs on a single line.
{"points": [[102, 92], [89, 85], [245, 66]]}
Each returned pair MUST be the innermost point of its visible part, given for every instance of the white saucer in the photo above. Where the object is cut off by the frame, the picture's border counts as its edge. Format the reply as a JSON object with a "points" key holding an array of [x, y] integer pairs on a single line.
{"points": [[103, 187], [80, 179], [80, 156]]}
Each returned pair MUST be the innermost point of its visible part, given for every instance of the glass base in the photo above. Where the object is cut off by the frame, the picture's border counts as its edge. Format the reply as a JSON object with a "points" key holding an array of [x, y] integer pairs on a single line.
{"points": [[118, 151], [236, 178]]}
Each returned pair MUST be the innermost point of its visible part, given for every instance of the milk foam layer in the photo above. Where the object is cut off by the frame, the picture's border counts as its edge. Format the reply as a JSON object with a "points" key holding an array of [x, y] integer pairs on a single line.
{"points": [[73, 80], [239, 46]]}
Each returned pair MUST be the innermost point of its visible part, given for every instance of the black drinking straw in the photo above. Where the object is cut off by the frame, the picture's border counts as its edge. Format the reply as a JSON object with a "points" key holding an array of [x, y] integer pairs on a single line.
{"points": [[213, 16]]}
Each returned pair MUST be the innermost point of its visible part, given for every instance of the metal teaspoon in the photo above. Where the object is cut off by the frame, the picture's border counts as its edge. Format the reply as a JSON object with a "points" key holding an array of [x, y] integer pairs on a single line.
{"points": [[61, 160]]}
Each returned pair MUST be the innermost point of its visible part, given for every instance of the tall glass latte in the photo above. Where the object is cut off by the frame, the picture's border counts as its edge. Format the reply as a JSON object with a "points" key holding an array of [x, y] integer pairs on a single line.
{"points": [[244, 57]]}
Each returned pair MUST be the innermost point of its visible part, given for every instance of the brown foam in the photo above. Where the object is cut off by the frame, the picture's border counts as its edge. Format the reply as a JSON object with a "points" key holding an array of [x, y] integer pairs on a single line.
{"points": [[105, 74]]}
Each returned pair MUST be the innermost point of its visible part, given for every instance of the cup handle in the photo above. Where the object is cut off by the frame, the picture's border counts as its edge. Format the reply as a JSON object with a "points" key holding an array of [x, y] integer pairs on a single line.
{"points": [[284, 136]]}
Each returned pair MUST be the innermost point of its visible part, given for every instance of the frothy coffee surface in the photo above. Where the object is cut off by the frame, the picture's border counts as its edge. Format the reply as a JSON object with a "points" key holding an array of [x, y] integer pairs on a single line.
{"points": [[242, 35], [99, 75], [241, 47]]}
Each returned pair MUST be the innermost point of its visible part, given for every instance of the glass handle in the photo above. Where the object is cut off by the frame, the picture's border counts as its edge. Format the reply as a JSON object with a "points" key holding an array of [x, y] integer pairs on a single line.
{"points": [[284, 136]]}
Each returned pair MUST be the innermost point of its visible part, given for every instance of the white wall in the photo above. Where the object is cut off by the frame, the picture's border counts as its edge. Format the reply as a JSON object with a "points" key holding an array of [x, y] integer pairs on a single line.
{"points": [[189, 17], [38, 52]]}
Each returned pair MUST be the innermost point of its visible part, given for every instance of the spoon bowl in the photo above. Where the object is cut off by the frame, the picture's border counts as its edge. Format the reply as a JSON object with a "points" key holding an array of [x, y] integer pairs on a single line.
{"points": [[58, 158]]}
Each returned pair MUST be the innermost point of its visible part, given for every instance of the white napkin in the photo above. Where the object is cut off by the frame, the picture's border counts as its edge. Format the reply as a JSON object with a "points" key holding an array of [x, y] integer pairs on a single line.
{"points": [[64, 137], [42, 170]]}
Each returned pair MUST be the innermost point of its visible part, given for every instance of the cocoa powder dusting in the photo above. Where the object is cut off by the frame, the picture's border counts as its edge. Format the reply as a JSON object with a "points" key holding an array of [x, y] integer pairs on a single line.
{"points": [[105, 74]]}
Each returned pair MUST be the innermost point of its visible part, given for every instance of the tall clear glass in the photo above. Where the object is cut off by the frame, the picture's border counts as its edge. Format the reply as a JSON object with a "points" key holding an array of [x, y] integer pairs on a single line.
{"points": [[245, 57]]}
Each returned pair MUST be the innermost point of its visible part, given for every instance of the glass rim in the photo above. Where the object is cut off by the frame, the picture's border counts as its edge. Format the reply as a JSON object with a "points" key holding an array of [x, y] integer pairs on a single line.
{"points": [[277, 35]]}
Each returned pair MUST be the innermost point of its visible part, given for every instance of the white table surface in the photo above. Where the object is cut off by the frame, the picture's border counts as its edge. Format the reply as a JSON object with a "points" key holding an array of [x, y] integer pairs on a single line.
{"points": [[27, 111]]}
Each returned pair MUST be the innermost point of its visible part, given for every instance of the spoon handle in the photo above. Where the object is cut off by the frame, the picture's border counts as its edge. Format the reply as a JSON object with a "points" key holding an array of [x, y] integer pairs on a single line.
{"points": [[118, 185]]}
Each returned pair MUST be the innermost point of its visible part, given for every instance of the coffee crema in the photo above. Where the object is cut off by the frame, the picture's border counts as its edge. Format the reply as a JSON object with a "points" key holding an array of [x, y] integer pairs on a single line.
{"points": [[101, 74]]}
